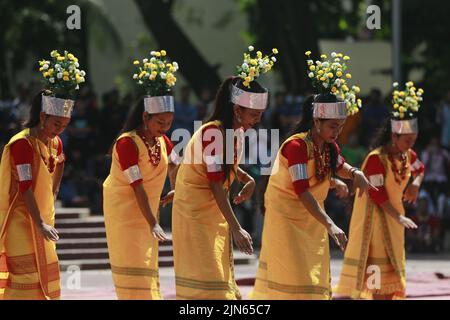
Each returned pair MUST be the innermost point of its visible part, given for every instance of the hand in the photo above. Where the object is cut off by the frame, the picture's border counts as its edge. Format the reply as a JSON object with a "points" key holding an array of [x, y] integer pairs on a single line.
{"points": [[245, 193], [168, 198], [411, 193], [362, 183], [341, 188], [49, 232], [406, 222], [158, 233], [338, 236], [243, 241]]}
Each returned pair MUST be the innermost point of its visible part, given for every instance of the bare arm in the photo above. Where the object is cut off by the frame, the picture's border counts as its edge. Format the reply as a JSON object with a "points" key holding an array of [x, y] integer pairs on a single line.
{"points": [[241, 237], [57, 177], [320, 215], [404, 221], [248, 188], [173, 170], [48, 231], [142, 200]]}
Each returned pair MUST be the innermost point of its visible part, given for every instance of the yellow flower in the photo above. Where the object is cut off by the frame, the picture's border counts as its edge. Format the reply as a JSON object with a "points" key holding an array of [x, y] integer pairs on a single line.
{"points": [[163, 53], [66, 78], [142, 74], [344, 87], [308, 53], [71, 56], [401, 93], [330, 75], [254, 62], [333, 89], [154, 73], [46, 74], [65, 74], [275, 50], [402, 109], [312, 68], [41, 69], [259, 54], [402, 115], [339, 74], [322, 78], [60, 58], [158, 54], [357, 89], [320, 72], [323, 56], [135, 62], [248, 79], [346, 58], [348, 76], [396, 106]]}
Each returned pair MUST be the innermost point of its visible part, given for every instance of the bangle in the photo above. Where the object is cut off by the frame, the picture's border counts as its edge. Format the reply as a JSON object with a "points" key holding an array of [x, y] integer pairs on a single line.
{"points": [[352, 172]]}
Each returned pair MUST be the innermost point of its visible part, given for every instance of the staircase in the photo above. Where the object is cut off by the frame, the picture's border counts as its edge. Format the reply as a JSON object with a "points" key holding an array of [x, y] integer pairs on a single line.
{"points": [[83, 242]]}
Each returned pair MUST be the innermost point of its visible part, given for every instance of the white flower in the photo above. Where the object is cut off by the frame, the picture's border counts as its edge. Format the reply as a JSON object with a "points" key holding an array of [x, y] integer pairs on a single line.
{"points": [[251, 48], [309, 62], [77, 87], [163, 75], [152, 59], [395, 84], [145, 60], [337, 82], [59, 75], [274, 59], [153, 53], [325, 64], [45, 67], [140, 82], [82, 79], [77, 64], [58, 67], [175, 65], [245, 66], [51, 80], [135, 76], [395, 114], [311, 75], [325, 84], [333, 54], [83, 73]]}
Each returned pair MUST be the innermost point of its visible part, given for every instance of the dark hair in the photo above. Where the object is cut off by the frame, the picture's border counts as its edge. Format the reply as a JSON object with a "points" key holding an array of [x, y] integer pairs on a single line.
{"points": [[223, 109], [35, 111], [304, 125], [383, 135], [134, 117], [133, 121], [307, 122]]}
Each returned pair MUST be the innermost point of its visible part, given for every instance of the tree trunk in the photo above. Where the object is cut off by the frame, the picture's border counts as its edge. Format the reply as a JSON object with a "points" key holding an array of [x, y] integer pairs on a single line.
{"points": [[159, 20]]}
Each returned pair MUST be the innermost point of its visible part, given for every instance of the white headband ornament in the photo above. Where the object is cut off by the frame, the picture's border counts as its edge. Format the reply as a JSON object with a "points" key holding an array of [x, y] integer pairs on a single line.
{"points": [[159, 104], [252, 100], [330, 110], [57, 107], [405, 126]]}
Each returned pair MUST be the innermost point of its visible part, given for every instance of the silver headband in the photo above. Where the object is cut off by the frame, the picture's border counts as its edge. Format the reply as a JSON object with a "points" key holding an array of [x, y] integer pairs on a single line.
{"points": [[247, 99], [330, 110], [159, 104], [405, 126], [57, 107]]}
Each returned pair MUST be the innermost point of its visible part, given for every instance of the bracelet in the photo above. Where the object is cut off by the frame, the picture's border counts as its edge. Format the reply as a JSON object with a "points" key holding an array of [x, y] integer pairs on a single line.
{"points": [[352, 172]]}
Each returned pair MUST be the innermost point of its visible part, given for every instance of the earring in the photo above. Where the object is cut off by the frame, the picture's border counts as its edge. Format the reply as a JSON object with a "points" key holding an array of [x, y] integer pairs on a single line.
{"points": [[318, 130], [238, 119]]}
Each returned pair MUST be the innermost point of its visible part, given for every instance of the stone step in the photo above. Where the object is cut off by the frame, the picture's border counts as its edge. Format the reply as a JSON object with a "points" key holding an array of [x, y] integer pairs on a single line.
{"points": [[91, 222], [77, 233], [71, 213]]}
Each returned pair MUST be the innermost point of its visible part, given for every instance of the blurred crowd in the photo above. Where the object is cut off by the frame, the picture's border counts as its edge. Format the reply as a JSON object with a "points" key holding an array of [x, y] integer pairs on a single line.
{"points": [[97, 121]]}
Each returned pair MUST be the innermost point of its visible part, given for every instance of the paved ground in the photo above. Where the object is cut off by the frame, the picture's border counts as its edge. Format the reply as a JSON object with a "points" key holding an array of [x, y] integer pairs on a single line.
{"points": [[423, 283]]}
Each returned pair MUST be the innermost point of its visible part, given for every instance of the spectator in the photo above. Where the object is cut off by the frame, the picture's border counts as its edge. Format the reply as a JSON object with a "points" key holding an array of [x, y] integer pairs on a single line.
{"points": [[437, 165], [185, 113]]}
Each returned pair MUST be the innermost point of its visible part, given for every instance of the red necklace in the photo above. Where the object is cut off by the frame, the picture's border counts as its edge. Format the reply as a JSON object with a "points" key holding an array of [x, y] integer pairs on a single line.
{"points": [[154, 153], [399, 173], [322, 161]]}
